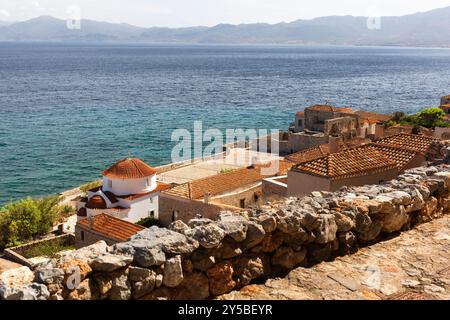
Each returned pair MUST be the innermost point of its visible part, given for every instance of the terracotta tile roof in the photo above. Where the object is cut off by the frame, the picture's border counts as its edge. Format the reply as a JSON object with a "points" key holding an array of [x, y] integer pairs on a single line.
{"points": [[130, 168], [96, 202], [319, 107], [401, 157], [323, 150], [350, 163], [419, 143], [111, 227], [373, 117], [224, 182], [300, 114], [160, 187], [445, 106]]}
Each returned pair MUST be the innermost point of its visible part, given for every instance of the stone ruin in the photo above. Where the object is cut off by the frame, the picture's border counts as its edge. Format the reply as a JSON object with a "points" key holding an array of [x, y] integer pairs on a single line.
{"points": [[205, 259]]}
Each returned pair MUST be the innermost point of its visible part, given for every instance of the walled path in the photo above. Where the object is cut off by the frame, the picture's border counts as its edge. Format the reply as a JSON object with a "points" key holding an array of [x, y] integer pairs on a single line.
{"points": [[413, 266]]}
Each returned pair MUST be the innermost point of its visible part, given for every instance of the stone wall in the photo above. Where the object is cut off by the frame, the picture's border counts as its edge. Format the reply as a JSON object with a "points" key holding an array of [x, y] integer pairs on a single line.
{"points": [[204, 258]]}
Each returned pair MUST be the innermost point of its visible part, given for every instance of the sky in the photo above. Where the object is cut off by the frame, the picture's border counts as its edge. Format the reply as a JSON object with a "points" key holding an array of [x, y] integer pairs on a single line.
{"points": [[183, 13]]}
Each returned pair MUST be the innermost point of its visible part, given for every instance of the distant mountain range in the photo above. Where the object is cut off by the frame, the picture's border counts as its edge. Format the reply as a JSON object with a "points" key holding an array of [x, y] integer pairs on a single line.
{"points": [[427, 29]]}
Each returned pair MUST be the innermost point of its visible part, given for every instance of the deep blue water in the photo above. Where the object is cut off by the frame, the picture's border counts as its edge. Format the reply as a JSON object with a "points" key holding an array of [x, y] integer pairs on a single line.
{"points": [[67, 111]]}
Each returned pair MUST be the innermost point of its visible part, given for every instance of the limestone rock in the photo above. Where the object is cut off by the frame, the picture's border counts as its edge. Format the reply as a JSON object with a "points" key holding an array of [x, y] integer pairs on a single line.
{"points": [[49, 275], [85, 291], [202, 260], [35, 291], [272, 242], [169, 241], [394, 221], [208, 235], [234, 226], [81, 268], [109, 262], [269, 223], [195, 286], [344, 223], [250, 267], [221, 278], [372, 232], [287, 258], [326, 231], [86, 254], [13, 281], [255, 235], [178, 226], [173, 272]]}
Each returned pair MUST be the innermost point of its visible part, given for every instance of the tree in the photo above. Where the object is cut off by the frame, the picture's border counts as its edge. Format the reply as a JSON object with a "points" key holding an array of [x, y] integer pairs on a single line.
{"points": [[27, 219], [430, 117]]}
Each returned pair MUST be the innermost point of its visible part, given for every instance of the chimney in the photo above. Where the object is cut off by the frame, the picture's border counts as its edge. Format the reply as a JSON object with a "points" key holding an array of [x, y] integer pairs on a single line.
{"points": [[206, 197], [91, 222], [335, 144]]}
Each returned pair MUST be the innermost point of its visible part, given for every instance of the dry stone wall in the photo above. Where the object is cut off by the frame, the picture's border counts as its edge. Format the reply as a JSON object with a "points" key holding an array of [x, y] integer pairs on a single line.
{"points": [[204, 258]]}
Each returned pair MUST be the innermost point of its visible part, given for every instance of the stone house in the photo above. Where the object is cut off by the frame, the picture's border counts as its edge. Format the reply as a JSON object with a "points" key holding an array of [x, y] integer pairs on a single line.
{"points": [[368, 164], [236, 190], [104, 227]]}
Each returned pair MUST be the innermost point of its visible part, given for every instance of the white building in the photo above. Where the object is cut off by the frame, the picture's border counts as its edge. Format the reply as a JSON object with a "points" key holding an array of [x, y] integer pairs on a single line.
{"points": [[130, 191]]}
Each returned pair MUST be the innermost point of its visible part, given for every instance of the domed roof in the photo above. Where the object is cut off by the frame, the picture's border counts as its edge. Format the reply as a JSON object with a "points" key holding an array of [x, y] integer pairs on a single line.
{"points": [[130, 168], [96, 202]]}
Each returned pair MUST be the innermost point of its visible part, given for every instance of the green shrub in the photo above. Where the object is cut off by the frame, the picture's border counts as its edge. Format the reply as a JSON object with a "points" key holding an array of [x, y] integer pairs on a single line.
{"points": [[90, 185], [148, 222], [28, 218]]}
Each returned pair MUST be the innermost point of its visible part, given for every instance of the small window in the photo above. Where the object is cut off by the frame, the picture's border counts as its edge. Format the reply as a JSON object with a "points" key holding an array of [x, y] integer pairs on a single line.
{"points": [[82, 235], [242, 203], [149, 182], [174, 215], [151, 214], [109, 183], [300, 123], [151, 200]]}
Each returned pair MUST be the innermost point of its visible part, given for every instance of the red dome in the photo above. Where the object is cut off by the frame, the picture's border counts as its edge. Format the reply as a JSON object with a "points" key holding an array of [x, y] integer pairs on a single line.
{"points": [[130, 168], [96, 202]]}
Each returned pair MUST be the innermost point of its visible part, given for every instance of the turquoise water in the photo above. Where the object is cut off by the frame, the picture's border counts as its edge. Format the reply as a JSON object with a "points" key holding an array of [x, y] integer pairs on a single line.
{"points": [[67, 111]]}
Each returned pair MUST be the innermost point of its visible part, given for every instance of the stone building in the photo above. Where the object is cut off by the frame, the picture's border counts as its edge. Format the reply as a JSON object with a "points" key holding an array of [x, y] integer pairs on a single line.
{"points": [[103, 227], [236, 190], [316, 124], [368, 164]]}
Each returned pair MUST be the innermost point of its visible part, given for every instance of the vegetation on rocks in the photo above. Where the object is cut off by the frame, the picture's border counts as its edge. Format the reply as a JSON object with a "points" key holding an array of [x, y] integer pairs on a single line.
{"points": [[28, 218], [148, 222], [428, 118]]}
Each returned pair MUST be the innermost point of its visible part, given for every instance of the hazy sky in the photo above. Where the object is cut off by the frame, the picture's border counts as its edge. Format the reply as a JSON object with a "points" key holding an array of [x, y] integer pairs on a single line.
{"points": [[178, 13]]}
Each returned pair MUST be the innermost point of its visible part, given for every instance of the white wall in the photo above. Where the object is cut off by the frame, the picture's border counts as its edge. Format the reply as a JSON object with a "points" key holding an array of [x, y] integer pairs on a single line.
{"points": [[122, 187], [140, 208]]}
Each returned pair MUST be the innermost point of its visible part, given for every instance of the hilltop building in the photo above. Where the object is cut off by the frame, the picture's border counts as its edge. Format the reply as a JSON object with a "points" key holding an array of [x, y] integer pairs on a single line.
{"points": [[130, 191], [317, 124]]}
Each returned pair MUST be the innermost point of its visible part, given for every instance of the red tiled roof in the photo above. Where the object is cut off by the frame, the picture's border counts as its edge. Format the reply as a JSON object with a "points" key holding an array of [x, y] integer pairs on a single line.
{"points": [[224, 182], [373, 117], [418, 143], [300, 114], [445, 106], [111, 227], [160, 187], [401, 157], [328, 108], [96, 202], [130, 168], [322, 150], [350, 163]]}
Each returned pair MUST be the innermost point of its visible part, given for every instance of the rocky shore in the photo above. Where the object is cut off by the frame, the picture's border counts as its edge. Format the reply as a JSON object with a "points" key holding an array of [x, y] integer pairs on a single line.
{"points": [[205, 259]]}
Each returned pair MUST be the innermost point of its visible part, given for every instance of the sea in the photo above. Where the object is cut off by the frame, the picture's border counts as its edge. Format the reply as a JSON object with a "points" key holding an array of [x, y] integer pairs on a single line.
{"points": [[68, 111]]}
